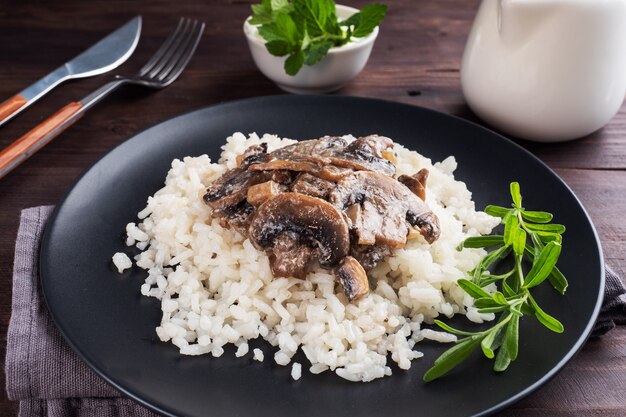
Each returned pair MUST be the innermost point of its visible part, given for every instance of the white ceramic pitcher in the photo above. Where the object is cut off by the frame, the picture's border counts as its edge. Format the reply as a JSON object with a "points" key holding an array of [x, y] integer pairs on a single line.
{"points": [[546, 70]]}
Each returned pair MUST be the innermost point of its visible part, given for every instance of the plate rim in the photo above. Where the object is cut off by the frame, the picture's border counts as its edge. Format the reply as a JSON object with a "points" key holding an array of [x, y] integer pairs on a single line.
{"points": [[161, 408]]}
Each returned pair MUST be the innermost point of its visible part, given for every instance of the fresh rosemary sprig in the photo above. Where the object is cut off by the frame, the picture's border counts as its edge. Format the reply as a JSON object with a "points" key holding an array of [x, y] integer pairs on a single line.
{"points": [[527, 235]]}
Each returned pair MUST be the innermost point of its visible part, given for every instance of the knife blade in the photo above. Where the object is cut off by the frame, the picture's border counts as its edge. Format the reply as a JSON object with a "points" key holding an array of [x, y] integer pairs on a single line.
{"points": [[107, 54]]}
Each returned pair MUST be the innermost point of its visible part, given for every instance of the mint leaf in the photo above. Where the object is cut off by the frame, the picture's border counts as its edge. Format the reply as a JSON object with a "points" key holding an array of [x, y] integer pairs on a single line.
{"points": [[318, 15], [307, 29], [287, 27], [371, 16], [294, 63], [270, 33], [283, 28], [260, 14], [353, 20], [316, 51], [278, 48], [279, 4]]}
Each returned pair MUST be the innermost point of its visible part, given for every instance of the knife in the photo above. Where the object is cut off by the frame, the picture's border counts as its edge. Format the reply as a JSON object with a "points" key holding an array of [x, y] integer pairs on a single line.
{"points": [[105, 55]]}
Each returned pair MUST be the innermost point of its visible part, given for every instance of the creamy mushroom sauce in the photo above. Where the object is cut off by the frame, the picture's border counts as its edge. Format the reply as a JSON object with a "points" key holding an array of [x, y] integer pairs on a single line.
{"points": [[327, 201]]}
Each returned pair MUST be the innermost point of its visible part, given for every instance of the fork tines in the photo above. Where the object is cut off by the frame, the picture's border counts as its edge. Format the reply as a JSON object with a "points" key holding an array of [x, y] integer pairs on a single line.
{"points": [[172, 57]]}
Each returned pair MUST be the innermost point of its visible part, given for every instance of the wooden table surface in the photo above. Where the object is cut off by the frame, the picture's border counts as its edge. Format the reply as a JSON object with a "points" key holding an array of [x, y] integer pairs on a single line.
{"points": [[416, 60]]}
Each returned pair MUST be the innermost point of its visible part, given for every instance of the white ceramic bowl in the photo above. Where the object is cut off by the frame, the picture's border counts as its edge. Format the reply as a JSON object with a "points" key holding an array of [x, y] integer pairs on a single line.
{"points": [[341, 65]]}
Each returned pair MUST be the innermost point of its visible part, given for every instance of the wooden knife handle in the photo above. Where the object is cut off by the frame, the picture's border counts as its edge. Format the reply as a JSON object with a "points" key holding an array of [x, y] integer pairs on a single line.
{"points": [[37, 138], [11, 106]]}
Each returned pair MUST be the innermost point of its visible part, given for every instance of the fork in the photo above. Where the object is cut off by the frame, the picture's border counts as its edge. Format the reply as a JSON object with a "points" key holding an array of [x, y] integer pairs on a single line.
{"points": [[161, 70]]}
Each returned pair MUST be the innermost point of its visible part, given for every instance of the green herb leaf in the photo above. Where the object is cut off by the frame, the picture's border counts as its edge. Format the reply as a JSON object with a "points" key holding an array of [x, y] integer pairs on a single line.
{"points": [[543, 265], [260, 14], [487, 342], [488, 310], [528, 234], [485, 302], [294, 62], [279, 4], [318, 15], [498, 297], [307, 29], [544, 318], [527, 309], [370, 17], [519, 243], [502, 360], [551, 228], [508, 291], [558, 280], [352, 20], [537, 216], [452, 357], [316, 51], [511, 224], [278, 48], [549, 237], [481, 242], [497, 211], [473, 289], [452, 330], [511, 338], [515, 194], [283, 28]]}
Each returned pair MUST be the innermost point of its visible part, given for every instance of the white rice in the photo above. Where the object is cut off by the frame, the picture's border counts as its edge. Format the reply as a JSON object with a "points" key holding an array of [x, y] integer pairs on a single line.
{"points": [[258, 355], [216, 288], [296, 371], [122, 262]]}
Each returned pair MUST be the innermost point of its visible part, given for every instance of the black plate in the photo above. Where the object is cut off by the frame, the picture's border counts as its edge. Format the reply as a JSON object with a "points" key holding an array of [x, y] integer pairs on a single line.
{"points": [[111, 326]]}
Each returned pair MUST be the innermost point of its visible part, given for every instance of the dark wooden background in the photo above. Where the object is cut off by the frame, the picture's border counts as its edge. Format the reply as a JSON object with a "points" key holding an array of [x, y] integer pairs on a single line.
{"points": [[415, 60]]}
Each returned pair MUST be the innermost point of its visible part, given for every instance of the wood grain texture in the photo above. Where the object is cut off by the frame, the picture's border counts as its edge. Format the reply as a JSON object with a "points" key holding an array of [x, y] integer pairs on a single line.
{"points": [[11, 105], [26, 146], [416, 60]]}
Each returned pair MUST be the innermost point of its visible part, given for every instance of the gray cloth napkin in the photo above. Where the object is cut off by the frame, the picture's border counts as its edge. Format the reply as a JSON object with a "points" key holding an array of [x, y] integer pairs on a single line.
{"points": [[613, 309], [49, 380], [42, 372]]}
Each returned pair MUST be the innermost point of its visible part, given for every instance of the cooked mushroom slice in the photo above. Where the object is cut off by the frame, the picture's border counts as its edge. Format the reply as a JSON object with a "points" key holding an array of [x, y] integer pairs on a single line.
{"points": [[236, 180], [259, 193], [334, 173], [290, 256], [427, 224], [372, 145], [353, 278], [311, 185], [227, 195], [369, 256], [283, 177], [321, 147], [253, 155], [237, 216], [294, 165], [387, 209], [314, 220], [367, 153], [416, 183]]}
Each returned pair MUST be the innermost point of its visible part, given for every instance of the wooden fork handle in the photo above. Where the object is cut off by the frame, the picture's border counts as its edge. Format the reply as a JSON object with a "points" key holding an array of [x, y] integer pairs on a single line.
{"points": [[37, 138], [11, 106]]}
